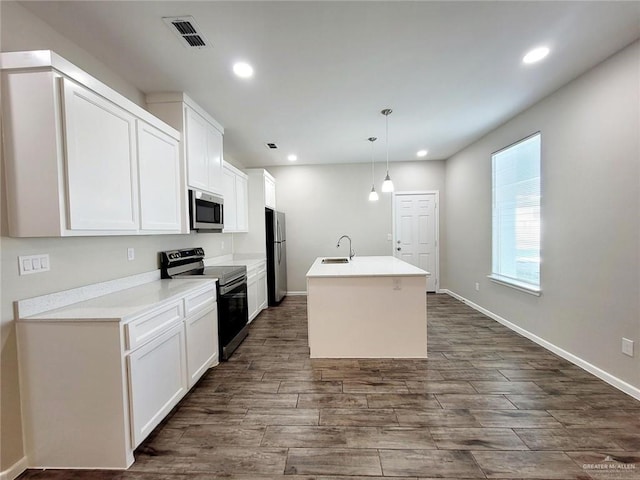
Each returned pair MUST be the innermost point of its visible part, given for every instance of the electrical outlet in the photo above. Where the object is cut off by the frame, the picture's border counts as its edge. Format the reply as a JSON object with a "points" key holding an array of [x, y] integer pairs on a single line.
{"points": [[131, 253], [627, 346], [222, 245], [397, 284], [477, 287], [33, 264], [389, 237]]}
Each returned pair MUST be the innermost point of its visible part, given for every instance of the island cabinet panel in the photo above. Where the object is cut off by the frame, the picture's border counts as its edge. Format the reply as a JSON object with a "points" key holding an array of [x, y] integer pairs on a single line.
{"points": [[368, 307]]}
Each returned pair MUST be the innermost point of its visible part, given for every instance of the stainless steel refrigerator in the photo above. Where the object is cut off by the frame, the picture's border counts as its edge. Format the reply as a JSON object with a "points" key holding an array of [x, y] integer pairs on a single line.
{"points": [[276, 256]]}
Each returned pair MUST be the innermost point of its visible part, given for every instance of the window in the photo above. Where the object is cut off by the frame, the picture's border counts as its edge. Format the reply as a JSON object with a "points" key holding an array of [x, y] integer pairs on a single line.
{"points": [[516, 215]]}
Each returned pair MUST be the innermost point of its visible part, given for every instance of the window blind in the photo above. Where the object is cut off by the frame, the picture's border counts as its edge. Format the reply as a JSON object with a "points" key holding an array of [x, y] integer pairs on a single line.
{"points": [[516, 212]]}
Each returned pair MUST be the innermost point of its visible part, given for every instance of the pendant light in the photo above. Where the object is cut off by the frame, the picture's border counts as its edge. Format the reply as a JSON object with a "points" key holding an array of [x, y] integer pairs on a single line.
{"points": [[387, 184], [373, 195]]}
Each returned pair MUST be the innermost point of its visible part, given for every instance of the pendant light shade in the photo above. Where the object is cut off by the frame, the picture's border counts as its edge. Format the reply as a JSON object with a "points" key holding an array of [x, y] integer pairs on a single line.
{"points": [[373, 195], [387, 184]]}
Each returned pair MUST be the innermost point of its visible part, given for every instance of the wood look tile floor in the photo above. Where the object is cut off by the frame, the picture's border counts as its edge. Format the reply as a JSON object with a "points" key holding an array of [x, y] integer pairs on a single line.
{"points": [[487, 403]]}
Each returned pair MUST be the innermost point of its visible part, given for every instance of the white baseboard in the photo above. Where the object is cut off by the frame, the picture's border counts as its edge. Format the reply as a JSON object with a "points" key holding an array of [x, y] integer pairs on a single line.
{"points": [[297, 293], [598, 372], [14, 470]]}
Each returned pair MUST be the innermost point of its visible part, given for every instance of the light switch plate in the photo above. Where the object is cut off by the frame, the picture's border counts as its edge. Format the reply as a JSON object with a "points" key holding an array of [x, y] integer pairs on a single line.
{"points": [[627, 347], [33, 264]]}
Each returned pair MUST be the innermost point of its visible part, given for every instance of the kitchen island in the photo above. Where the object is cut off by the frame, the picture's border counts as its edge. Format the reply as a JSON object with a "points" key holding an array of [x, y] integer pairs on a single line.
{"points": [[370, 307]]}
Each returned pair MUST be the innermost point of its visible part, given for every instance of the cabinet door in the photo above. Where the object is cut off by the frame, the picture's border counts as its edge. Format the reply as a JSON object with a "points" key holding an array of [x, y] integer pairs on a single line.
{"points": [[262, 291], [157, 381], [242, 204], [214, 154], [100, 162], [159, 178], [230, 203], [269, 193], [252, 297], [202, 343], [197, 157]]}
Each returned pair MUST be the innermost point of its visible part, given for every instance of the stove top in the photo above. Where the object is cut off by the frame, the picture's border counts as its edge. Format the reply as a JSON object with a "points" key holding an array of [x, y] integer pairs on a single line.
{"points": [[190, 263]]}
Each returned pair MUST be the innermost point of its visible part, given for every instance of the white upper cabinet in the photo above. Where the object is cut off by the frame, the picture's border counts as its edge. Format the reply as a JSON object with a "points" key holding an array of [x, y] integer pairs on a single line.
{"points": [[242, 203], [195, 135], [269, 191], [214, 157], [76, 161], [203, 139], [100, 162], [159, 178], [236, 201]]}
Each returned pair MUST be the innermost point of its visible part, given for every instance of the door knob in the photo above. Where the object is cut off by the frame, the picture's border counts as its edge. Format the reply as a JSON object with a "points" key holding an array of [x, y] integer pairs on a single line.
{"points": [[398, 249]]}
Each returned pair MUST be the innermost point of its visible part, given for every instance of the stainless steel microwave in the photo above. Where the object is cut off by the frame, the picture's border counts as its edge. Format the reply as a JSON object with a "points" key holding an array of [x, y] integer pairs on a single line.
{"points": [[206, 211]]}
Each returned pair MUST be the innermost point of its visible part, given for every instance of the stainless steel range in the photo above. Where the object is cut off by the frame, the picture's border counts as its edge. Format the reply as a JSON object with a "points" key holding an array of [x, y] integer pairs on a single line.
{"points": [[233, 312]]}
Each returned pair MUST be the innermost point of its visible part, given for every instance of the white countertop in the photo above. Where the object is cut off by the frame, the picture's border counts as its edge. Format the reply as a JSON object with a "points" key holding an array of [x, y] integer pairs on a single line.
{"points": [[127, 303], [365, 267], [248, 260]]}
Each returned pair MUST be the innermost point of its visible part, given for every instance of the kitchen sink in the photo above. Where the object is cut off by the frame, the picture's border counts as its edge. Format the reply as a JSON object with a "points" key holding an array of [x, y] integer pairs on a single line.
{"points": [[335, 260]]}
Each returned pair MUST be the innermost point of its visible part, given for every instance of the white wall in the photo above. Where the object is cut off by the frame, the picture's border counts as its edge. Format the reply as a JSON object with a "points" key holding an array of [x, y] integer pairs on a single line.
{"points": [[590, 216], [74, 261], [324, 202]]}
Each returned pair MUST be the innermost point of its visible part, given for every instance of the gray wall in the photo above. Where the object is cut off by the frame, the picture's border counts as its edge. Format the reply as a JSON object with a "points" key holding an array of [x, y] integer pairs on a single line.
{"points": [[74, 261], [590, 213], [323, 202]]}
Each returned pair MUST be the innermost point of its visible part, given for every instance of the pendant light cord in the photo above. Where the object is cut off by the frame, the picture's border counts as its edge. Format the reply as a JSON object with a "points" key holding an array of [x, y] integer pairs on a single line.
{"points": [[386, 118]]}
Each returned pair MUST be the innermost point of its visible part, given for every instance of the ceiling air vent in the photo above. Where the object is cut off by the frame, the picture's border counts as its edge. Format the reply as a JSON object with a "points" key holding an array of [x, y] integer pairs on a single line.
{"points": [[187, 30], [271, 146]]}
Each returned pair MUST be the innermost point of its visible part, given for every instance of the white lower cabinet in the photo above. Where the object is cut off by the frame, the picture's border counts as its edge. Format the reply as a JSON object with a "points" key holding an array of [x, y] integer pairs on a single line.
{"points": [[157, 381], [202, 338], [262, 291], [256, 289], [95, 380]]}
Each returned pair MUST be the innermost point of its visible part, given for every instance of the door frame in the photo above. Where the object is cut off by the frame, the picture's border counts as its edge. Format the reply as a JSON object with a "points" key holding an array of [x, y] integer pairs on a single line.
{"points": [[436, 193]]}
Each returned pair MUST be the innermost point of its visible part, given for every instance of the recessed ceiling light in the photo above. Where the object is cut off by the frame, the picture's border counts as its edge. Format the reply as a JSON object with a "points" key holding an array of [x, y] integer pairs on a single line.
{"points": [[243, 70], [535, 55], [292, 158], [422, 153]]}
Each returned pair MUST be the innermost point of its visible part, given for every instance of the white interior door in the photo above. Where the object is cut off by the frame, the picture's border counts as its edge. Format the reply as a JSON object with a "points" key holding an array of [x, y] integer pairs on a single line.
{"points": [[416, 239]]}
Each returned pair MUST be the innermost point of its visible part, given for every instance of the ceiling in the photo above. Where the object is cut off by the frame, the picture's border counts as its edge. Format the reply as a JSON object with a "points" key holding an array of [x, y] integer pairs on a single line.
{"points": [[451, 71]]}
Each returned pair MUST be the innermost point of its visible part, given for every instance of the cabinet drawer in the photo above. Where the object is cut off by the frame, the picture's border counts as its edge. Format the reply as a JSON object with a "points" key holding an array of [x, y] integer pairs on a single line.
{"points": [[261, 268], [152, 324], [200, 300]]}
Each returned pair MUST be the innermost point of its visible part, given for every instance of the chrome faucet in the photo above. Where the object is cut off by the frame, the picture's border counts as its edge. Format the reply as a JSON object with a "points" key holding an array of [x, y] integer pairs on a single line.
{"points": [[351, 252]]}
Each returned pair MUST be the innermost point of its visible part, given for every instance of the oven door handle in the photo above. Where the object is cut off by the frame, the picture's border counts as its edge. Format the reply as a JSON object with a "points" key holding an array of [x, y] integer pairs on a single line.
{"points": [[233, 285]]}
